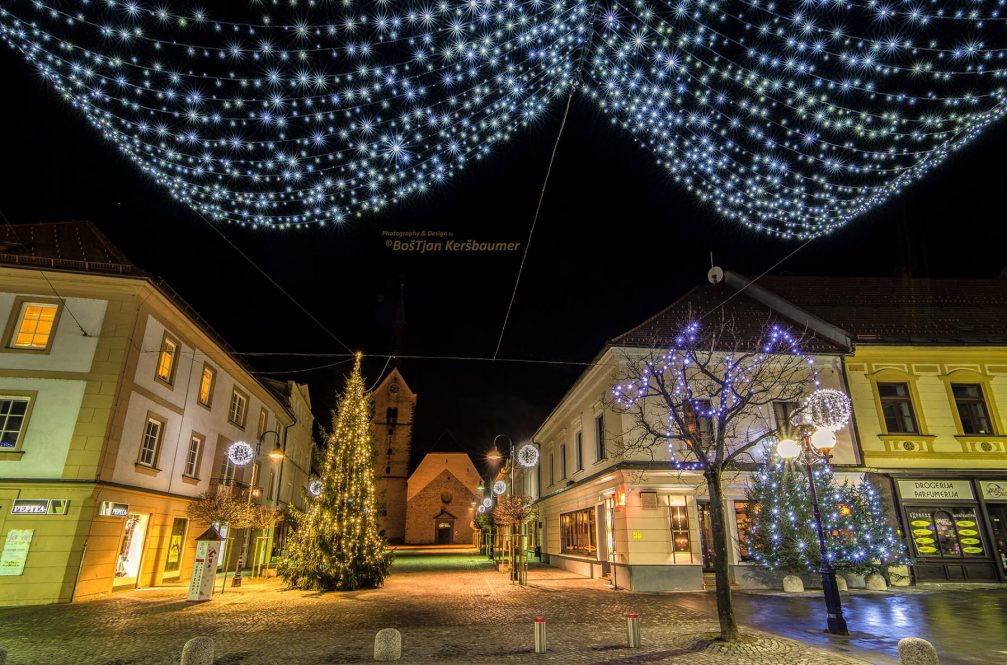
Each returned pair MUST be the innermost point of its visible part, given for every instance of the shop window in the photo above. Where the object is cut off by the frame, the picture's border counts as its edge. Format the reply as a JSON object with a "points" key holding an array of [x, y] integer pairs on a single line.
{"points": [[946, 532], [206, 382], [167, 359], [238, 409], [176, 544], [36, 323], [680, 537], [150, 442], [579, 450], [742, 517], [599, 437], [13, 421], [897, 408], [577, 532], [127, 565], [193, 455], [972, 411]]}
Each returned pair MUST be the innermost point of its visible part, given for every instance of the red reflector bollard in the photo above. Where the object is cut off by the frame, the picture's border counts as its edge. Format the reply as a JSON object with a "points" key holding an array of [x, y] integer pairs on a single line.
{"points": [[633, 631], [540, 638]]}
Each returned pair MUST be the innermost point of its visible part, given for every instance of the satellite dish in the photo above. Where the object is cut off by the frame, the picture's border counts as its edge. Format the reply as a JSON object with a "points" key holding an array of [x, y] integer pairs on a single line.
{"points": [[715, 275]]}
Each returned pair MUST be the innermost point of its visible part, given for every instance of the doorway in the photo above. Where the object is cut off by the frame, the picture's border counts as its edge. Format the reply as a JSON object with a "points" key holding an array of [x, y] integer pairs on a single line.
{"points": [[127, 566], [998, 519], [444, 533], [705, 535]]}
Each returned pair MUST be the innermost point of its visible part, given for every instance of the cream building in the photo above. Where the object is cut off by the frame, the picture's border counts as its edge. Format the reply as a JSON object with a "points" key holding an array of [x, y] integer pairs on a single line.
{"points": [[117, 404], [635, 519]]}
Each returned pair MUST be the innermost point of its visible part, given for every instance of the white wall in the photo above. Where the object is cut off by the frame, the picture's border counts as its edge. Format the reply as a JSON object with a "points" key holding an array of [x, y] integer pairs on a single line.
{"points": [[71, 351], [50, 428]]}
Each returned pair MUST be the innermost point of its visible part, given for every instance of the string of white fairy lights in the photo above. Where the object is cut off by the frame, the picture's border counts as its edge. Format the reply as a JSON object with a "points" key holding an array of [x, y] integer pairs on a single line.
{"points": [[791, 118]]}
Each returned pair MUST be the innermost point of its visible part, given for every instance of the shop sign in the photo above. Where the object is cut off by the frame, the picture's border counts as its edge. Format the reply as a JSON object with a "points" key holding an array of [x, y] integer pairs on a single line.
{"points": [[39, 506], [993, 490], [109, 509], [15, 551], [928, 490]]}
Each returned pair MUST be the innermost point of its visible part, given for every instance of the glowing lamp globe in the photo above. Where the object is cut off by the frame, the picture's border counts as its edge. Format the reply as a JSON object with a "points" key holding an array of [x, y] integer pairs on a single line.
{"points": [[788, 449], [824, 439]]}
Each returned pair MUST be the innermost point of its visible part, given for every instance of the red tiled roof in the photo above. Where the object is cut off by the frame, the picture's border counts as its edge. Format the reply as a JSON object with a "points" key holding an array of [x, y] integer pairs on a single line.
{"points": [[902, 310], [707, 303], [74, 246]]}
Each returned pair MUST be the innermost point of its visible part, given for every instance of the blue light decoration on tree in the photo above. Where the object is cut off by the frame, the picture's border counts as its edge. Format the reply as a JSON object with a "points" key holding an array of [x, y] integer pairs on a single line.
{"points": [[791, 119]]}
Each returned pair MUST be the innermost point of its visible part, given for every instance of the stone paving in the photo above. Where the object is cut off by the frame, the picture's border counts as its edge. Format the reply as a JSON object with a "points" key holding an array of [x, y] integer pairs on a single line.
{"points": [[450, 608]]}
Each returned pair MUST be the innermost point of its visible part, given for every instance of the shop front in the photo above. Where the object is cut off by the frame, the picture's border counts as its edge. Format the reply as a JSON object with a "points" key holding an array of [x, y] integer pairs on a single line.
{"points": [[952, 529]]}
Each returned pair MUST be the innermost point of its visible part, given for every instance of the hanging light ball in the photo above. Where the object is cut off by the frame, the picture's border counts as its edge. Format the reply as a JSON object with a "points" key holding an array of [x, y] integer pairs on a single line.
{"points": [[527, 455], [315, 488], [482, 509], [240, 453], [788, 449], [830, 409], [499, 487], [487, 502], [824, 439]]}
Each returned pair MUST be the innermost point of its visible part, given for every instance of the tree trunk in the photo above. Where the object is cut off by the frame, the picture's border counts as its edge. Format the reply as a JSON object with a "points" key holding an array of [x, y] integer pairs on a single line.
{"points": [[725, 606]]}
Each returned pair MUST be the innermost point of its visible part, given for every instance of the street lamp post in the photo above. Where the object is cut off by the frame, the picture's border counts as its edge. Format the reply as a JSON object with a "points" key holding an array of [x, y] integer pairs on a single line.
{"points": [[276, 455], [818, 444]]}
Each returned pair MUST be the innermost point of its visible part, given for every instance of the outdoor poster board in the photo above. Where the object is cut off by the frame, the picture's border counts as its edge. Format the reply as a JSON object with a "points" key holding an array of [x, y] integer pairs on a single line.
{"points": [[15, 551]]}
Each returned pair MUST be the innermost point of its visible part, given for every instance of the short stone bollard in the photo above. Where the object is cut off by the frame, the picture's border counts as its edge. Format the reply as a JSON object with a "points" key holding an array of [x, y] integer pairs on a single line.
{"points": [[388, 644], [541, 643], [917, 651], [793, 584], [841, 583], [875, 582], [198, 651], [633, 631]]}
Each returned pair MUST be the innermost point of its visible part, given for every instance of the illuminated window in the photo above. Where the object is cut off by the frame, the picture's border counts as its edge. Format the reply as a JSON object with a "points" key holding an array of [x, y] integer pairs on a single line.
{"points": [[192, 456], [13, 418], [166, 360], [577, 532], [238, 409], [206, 382], [743, 518], [972, 411], [150, 442], [680, 538], [897, 407], [35, 325]]}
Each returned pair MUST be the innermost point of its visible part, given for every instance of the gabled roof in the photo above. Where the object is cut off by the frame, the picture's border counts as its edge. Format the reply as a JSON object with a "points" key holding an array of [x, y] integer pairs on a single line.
{"points": [[434, 465], [74, 246], [903, 310], [711, 301]]}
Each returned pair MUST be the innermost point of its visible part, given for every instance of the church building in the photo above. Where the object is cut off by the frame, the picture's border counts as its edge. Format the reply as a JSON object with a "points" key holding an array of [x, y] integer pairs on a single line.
{"points": [[441, 500], [394, 406]]}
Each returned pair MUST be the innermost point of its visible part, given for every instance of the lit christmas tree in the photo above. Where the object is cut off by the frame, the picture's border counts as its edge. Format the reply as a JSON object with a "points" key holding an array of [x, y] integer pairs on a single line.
{"points": [[338, 544], [859, 536]]}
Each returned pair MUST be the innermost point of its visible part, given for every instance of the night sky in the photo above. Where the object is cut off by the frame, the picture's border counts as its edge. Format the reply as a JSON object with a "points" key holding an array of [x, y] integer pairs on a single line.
{"points": [[617, 240]]}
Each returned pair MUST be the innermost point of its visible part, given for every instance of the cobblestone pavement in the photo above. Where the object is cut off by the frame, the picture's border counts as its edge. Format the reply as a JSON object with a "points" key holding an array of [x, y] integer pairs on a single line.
{"points": [[450, 608]]}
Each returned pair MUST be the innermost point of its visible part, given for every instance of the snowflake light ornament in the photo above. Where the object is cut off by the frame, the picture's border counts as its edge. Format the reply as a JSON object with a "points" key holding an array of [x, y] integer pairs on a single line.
{"points": [[240, 453], [499, 487], [527, 455], [829, 409]]}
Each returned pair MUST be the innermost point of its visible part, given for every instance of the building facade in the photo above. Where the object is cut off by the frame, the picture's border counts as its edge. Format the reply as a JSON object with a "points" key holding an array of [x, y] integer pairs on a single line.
{"points": [[442, 498], [394, 408], [635, 518], [117, 405]]}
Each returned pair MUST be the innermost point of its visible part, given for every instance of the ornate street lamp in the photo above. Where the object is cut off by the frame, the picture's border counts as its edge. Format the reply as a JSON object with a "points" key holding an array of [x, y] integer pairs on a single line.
{"points": [[823, 413], [241, 454]]}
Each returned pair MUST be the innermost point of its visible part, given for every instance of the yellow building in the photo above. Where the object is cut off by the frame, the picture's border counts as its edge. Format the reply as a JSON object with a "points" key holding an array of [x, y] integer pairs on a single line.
{"points": [[928, 380], [117, 404]]}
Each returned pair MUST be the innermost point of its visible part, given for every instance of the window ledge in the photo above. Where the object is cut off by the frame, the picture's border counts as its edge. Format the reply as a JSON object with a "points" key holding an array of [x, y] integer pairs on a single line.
{"points": [[11, 455], [981, 437], [896, 435], [191, 480], [146, 470]]}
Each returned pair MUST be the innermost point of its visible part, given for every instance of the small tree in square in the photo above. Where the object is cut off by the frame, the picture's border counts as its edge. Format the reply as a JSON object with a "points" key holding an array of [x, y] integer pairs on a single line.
{"points": [[338, 543]]}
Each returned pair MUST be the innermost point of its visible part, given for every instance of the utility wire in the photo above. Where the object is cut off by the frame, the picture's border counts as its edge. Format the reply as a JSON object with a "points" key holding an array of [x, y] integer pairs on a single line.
{"points": [[274, 283], [61, 299]]}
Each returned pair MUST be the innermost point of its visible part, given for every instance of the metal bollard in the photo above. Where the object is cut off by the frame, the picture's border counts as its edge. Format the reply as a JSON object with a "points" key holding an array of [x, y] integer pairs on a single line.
{"points": [[540, 639], [633, 631]]}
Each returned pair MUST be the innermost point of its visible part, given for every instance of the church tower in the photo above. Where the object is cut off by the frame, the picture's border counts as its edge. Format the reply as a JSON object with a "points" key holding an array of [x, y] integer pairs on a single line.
{"points": [[394, 405]]}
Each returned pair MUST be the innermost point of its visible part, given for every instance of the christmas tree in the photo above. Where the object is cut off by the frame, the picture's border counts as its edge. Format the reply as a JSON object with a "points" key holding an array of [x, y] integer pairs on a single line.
{"points": [[859, 536], [338, 544]]}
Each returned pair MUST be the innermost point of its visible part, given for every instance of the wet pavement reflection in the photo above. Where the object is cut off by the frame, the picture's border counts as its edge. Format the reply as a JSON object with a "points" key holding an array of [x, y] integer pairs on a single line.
{"points": [[967, 626]]}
